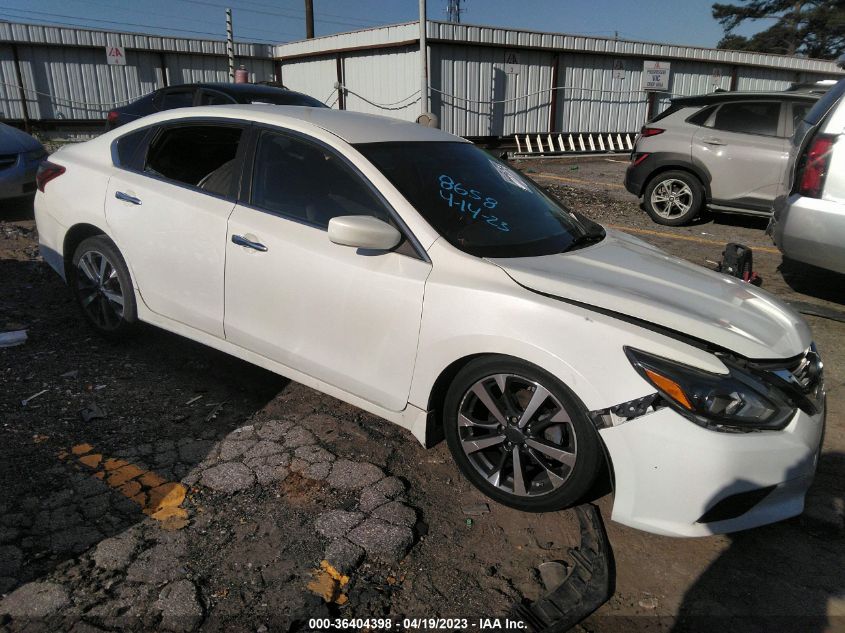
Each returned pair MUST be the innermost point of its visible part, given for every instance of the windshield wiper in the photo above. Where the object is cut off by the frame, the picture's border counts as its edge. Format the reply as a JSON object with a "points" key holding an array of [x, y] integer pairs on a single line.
{"points": [[586, 239]]}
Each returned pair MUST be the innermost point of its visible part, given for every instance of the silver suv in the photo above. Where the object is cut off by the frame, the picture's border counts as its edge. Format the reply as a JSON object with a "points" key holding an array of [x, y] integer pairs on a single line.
{"points": [[808, 224], [726, 150]]}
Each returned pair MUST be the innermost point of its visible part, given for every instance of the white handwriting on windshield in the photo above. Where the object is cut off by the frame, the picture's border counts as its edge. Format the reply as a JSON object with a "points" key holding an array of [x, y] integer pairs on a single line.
{"points": [[464, 202]]}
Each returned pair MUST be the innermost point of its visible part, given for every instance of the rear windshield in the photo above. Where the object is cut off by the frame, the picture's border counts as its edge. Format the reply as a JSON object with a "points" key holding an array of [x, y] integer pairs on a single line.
{"points": [[477, 203], [291, 98], [824, 104], [670, 110]]}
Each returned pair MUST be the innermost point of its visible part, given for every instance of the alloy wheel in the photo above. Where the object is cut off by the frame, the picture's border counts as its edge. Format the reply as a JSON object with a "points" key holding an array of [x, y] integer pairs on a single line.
{"points": [[99, 290], [671, 198], [517, 435]]}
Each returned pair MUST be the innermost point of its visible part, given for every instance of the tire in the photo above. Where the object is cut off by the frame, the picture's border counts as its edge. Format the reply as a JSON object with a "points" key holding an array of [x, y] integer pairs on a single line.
{"points": [[102, 288], [559, 427], [673, 198]]}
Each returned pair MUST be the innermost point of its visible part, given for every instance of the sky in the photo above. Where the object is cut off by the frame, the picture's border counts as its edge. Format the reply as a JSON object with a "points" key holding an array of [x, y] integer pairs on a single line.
{"points": [[274, 21]]}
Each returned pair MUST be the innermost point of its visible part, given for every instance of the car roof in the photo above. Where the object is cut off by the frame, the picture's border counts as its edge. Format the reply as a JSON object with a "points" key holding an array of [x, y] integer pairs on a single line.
{"points": [[722, 97], [352, 127], [246, 88]]}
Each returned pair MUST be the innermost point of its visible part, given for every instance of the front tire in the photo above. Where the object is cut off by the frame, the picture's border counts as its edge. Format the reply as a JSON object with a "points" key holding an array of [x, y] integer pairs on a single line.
{"points": [[520, 436], [673, 198], [102, 287]]}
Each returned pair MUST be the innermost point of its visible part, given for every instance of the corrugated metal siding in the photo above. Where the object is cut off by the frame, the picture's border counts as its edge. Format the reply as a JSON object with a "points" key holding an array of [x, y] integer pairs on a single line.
{"points": [[314, 77], [186, 69], [10, 95], [65, 74], [505, 38], [479, 74], [72, 83], [762, 79], [386, 77], [593, 100], [365, 38], [695, 78], [69, 36]]}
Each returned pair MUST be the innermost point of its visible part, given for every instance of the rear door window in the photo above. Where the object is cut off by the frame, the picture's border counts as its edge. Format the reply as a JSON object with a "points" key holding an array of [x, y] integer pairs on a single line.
{"points": [[203, 156], [749, 117], [127, 148], [177, 99]]}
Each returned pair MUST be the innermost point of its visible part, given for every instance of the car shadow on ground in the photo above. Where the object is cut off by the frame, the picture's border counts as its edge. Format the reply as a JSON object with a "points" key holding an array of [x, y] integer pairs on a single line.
{"points": [[813, 281], [800, 562], [158, 402], [16, 209]]}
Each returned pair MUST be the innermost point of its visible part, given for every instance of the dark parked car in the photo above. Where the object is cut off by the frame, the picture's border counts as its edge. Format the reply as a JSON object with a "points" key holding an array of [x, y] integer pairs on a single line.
{"points": [[20, 155], [187, 95]]}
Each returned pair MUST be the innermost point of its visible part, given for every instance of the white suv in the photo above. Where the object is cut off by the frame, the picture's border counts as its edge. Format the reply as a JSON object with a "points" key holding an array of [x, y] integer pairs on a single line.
{"points": [[809, 216]]}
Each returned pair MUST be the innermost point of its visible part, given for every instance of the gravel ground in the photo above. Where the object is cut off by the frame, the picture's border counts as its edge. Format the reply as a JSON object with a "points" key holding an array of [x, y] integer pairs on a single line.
{"points": [[205, 493]]}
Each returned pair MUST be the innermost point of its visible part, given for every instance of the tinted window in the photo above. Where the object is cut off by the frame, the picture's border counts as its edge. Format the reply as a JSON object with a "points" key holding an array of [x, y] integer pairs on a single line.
{"points": [[214, 98], [305, 181], [672, 109], [799, 111], [700, 117], [478, 203], [749, 117], [281, 98], [201, 156], [177, 99], [127, 147], [824, 104]]}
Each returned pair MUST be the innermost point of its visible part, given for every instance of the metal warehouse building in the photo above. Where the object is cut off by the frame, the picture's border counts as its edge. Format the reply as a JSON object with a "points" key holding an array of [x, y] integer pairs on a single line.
{"points": [[484, 81], [488, 81]]}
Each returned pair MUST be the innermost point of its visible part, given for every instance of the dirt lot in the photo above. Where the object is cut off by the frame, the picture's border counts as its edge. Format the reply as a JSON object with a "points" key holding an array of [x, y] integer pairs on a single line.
{"points": [[161, 484]]}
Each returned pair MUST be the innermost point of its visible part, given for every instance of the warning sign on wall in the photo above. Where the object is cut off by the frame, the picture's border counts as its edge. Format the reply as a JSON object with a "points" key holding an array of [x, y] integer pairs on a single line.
{"points": [[115, 56], [511, 63], [655, 75]]}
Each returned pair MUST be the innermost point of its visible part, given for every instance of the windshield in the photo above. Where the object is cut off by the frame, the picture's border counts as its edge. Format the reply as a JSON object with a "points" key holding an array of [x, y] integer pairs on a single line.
{"points": [[478, 203]]}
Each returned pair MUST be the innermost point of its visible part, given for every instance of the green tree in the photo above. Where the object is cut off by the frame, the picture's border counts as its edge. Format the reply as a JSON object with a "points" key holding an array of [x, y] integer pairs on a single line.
{"points": [[815, 28]]}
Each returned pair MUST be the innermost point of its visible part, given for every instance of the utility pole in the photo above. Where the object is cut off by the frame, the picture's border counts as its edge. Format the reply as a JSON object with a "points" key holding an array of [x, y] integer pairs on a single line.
{"points": [[423, 61], [309, 19], [453, 11], [230, 45]]}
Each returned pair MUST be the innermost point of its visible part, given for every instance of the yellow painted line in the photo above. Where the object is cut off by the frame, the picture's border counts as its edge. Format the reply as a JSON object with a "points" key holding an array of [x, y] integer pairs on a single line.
{"points": [[686, 238], [158, 498], [578, 180]]}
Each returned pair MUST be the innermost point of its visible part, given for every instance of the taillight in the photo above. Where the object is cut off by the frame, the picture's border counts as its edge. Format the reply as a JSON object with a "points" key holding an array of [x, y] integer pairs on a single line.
{"points": [[46, 172], [816, 163], [636, 159], [645, 132], [112, 116]]}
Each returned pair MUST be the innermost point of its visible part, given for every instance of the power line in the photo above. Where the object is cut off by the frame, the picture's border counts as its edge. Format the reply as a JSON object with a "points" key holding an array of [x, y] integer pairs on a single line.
{"points": [[276, 13], [182, 17], [124, 24]]}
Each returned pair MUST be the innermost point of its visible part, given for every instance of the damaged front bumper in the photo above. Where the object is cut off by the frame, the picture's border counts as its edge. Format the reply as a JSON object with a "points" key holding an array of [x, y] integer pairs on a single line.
{"points": [[676, 478]]}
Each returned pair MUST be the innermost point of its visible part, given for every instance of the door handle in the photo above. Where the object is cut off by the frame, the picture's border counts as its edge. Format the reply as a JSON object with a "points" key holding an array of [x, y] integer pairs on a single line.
{"points": [[712, 141], [240, 240], [126, 197]]}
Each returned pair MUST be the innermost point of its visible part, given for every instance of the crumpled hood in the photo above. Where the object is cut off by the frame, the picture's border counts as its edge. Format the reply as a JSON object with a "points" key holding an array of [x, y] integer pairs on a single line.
{"points": [[623, 274]]}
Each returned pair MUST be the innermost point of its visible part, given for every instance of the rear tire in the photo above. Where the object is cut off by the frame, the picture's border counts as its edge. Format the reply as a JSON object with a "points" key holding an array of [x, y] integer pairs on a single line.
{"points": [[547, 454], [673, 198], [102, 287]]}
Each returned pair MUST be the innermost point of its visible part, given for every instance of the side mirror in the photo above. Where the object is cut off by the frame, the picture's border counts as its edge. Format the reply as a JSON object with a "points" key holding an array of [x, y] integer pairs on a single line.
{"points": [[363, 231]]}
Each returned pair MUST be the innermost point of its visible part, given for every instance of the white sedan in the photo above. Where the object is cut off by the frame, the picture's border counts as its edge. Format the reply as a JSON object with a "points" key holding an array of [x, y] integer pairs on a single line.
{"points": [[405, 271]]}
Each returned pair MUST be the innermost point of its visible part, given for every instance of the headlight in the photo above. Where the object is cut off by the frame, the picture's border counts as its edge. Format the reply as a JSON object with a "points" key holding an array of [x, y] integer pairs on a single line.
{"points": [[738, 400]]}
